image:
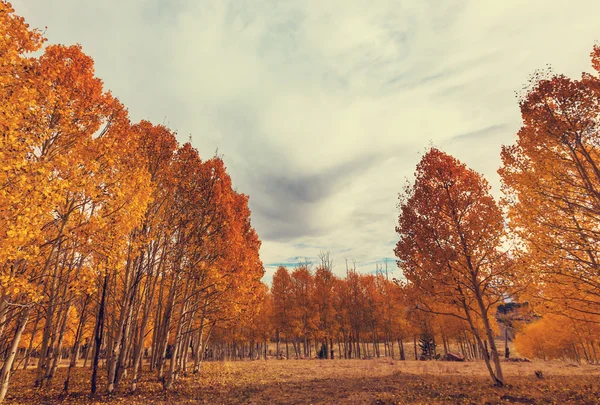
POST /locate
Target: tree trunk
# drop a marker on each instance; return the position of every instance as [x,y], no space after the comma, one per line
[496,379]
[5,373]
[30,346]
[401,348]
[76,344]
[99,334]
[506,350]
[415,346]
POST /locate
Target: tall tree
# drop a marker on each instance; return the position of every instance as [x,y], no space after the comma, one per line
[551,181]
[450,231]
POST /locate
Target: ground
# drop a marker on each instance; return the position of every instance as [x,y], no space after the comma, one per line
[376,381]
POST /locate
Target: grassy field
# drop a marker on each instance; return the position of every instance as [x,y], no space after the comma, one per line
[341,382]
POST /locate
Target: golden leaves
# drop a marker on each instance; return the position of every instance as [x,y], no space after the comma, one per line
[551,180]
[83,193]
[448,224]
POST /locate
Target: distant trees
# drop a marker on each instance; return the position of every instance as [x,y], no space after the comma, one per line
[318,314]
[315,313]
[559,337]
[281,298]
[327,325]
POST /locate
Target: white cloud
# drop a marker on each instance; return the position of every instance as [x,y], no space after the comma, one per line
[322,108]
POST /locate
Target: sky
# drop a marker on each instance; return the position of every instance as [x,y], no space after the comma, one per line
[322,108]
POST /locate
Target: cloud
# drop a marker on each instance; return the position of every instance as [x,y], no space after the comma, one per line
[479,134]
[322,109]
[286,202]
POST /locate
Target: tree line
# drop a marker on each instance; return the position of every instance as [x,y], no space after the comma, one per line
[117,244]
[309,312]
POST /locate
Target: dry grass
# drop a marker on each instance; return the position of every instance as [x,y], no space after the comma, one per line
[344,381]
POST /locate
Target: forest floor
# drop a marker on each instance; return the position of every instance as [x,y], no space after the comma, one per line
[377,381]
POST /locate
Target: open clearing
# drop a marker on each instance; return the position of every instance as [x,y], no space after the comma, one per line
[380,381]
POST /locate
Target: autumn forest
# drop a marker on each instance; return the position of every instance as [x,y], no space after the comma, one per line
[130,270]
